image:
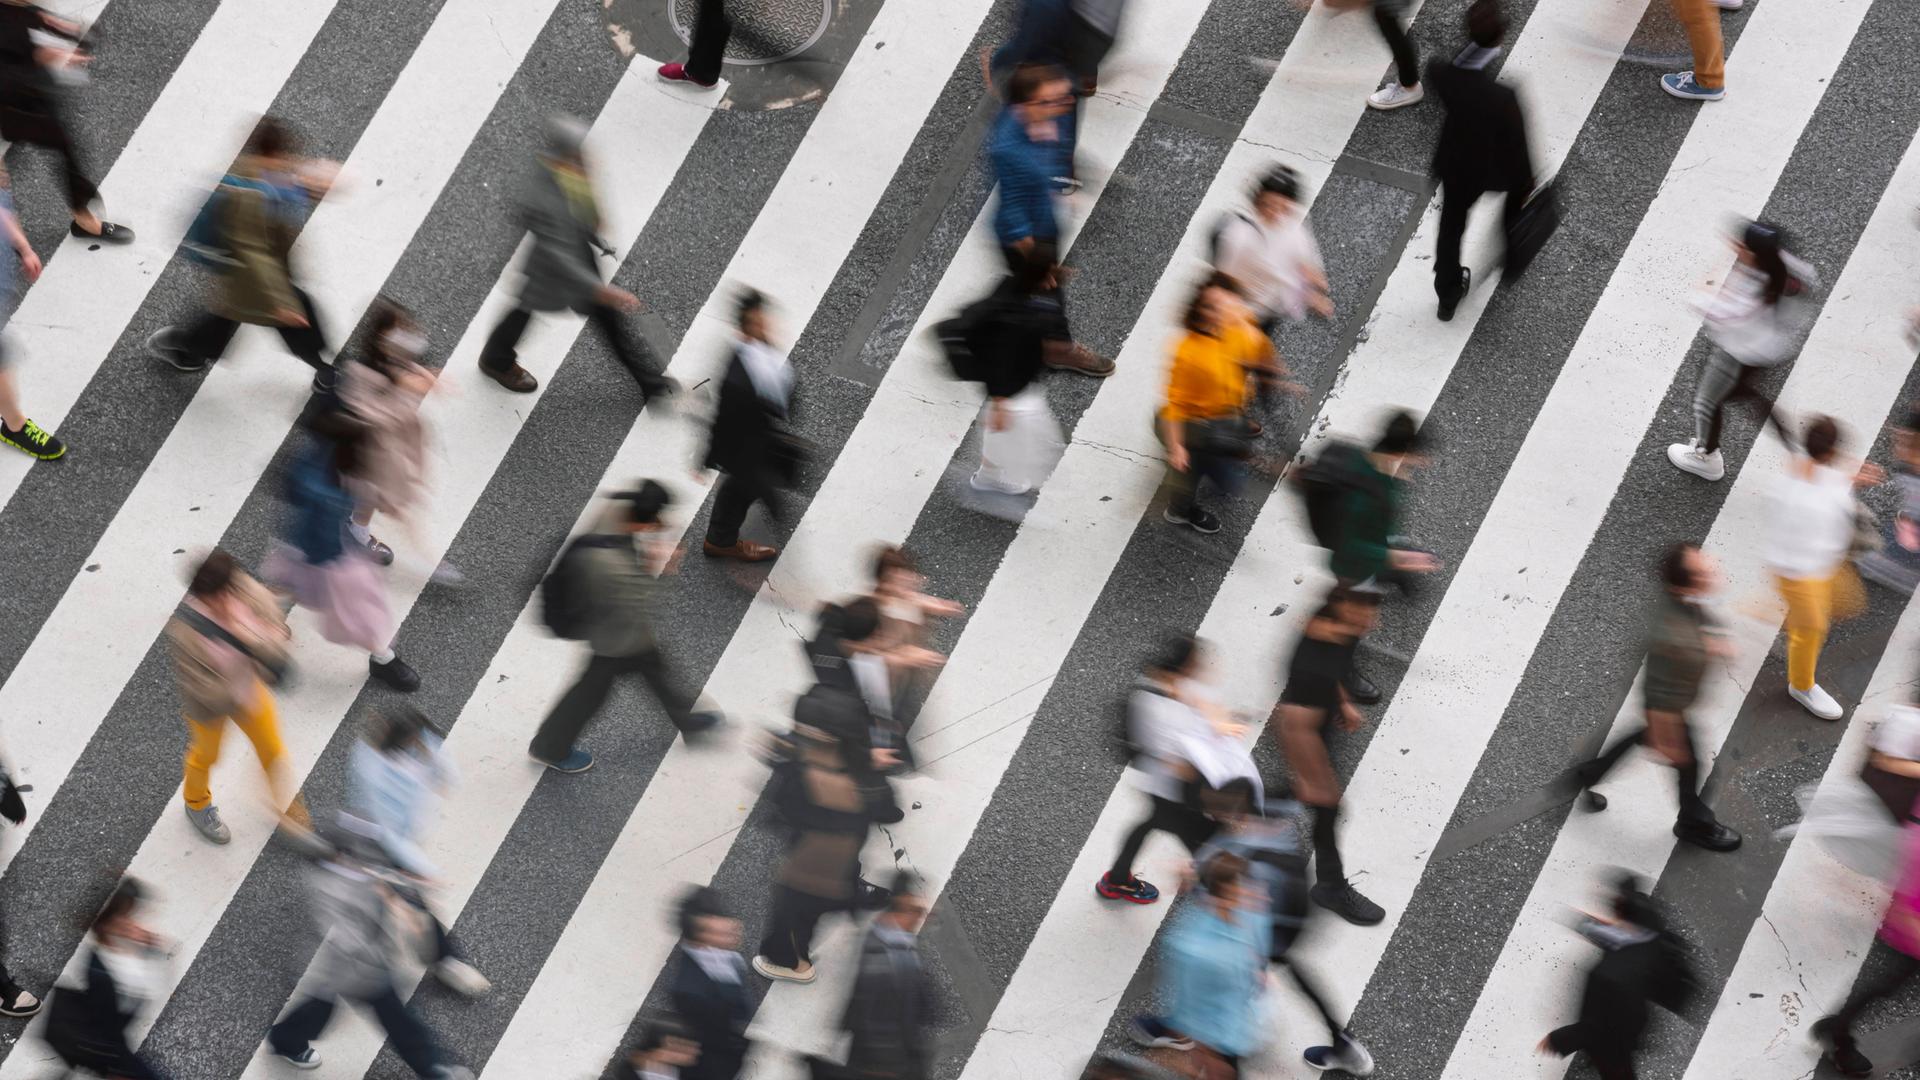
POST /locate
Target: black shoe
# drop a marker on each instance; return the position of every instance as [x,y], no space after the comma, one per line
[325,379]
[109,233]
[19,1003]
[1846,1058]
[1196,519]
[1595,801]
[1361,689]
[1345,901]
[164,344]
[700,725]
[1710,835]
[891,814]
[1450,298]
[395,673]
[870,897]
[33,440]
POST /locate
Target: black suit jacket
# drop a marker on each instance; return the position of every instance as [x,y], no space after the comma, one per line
[717,1015]
[745,426]
[1483,141]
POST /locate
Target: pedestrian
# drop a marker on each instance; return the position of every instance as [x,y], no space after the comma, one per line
[665,1051]
[1031,148]
[1896,565]
[229,639]
[1754,320]
[1020,442]
[1271,255]
[1204,423]
[1404,89]
[1482,147]
[711,29]
[1684,640]
[394,774]
[1895,961]
[829,816]
[888,1014]
[1073,35]
[750,441]
[1641,964]
[15,1000]
[1314,700]
[33,41]
[562,216]
[16,429]
[1213,972]
[87,1026]
[619,568]
[899,591]
[709,987]
[364,925]
[1170,707]
[1707,81]
[323,568]
[260,208]
[1812,519]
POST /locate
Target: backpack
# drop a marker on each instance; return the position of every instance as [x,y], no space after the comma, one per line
[1219,230]
[1290,902]
[962,339]
[567,601]
[1325,483]
[206,239]
[1129,747]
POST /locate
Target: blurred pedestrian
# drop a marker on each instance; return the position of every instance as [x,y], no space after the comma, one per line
[1213,973]
[1684,640]
[1754,321]
[1899,948]
[1707,81]
[711,29]
[87,1026]
[750,441]
[15,1000]
[1271,255]
[615,572]
[229,639]
[1404,88]
[1641,965]
[1482,147]
[888,1015]
[1020,442]
[665,1051]
[899,591]
[829,816]
[1204,423]
[1896,565]
[258,209]
[1073,35]
[1812,518]
[323,567]
[562,216]
[16,429]
[33,43]
[1031,148]
[709,986]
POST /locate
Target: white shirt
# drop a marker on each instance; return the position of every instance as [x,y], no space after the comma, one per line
[1898,734]
[1270,261]
[721,965]
[769,371]
[1756,333]
[1162,728]
[1809,523]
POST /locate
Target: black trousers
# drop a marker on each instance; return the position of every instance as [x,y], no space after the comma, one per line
[405,1033]
[711,29]
[735,497]
[35,118]
[578,706]
[1455,200]
[502,348]
[1328,868]
[1191,826]
[796,915]
[208,336]
[1898,974]
[1406,59]
[1693,809]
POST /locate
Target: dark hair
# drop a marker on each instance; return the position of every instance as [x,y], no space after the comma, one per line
[1766,243]
[1280,180]
[657,1032]
[701,902]
[645,503]
[126,896]
[215,573]
[905,883]
[1027,80]
[856,620]
[1400,436]
[385,316]
[1485,23]
[1221,872]
[1192,318]
[1823,438]
[1676,569]
[749,302]
[889,558]
[1173,655]
[398,726]
[271,138]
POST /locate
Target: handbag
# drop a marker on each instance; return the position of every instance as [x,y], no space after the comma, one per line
[786,455]
[1194,1063]
[1531,230]
[276,670]
[1229,437]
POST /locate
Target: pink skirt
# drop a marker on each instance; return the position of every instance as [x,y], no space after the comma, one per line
[347,594]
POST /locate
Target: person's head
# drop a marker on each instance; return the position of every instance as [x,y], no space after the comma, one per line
[272,142]
[642,508]
[1277,194]
[119,915]
[853,624]
[393,337]
[1686,571]
[1224,877]
[894,571]
[1822,439]
[664,1042]
[1401,439]
[1356,610]
[908,903]
[706,921]
[1632,903]
[398,729]
[1177,657]
[1040,92]
[564,139]
[1212,305]
[750,315]
[1486,24]
[214,577]
[1760,245]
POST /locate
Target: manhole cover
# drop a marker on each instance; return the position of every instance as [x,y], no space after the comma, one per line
[764,31]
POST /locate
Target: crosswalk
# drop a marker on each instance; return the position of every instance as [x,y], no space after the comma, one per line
[1550,396]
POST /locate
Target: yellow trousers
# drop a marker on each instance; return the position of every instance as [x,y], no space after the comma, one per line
[1702,21]
[261,726]
[1809,614]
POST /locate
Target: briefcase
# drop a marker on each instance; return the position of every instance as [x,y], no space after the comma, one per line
[1531,230]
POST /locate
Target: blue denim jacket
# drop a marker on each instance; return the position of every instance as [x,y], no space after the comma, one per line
[1211,977]
[1028,174]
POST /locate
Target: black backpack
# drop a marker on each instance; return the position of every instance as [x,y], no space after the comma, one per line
[1325,483]
[962,338]
[567,602]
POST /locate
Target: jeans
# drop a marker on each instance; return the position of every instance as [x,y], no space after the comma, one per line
[1191,826]
[1224,472]
[583,700]
[500,352]
[1455,200]
[1722,382]
[796,915]
[711,29]
[1406,59]
[208,335]
[409,1037]
[1693,809]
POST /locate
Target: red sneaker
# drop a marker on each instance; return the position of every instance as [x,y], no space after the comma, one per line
[678,73]
[1135,891]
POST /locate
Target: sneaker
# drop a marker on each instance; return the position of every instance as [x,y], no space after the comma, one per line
[325,379]
[1349,1057]
[1360,689]
[461,977]
[678,73]
[870,897]
[1711,835]
[1075,357]
[1133,890]
[209,823]
[1682,86]
[1395,96]
[1196,519]
[1688,457]
[1728,5]
[800,973]
[994,487]
[33,440]
[1450,301]
[1817,701]
[1345,901]
[164,344]
[1149,1032]
[1846,1058]
[381,553]
[578,761]
[701,724]
[306,1060]
[396,673]
[20,1004]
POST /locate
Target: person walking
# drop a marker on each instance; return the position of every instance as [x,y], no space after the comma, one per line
[228,639]
[892,1004]
[665,1051]
[562,216]
[1899,942]
[708,49]
[1213,971]
[1020,442]
[33,42]
[620,567]
[1031,149]
[1707,81]
[749,441]
[1811,522]
[1896,565]
[16,428]
[1203,422]
[1754,321]
[1641,964]
[1482,147]
[1404,88]
[1271,255]
[88,1026]
[15,1000]
[260,208]
[830,817]
[709,987]
[1684,640]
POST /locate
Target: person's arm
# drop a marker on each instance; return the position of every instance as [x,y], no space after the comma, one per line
[1887,763]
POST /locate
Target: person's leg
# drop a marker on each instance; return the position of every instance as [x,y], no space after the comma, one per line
[1592,772]
[408,1036]
[296,1031]
[207,336]
[1718,381]
[1406,59]
[261,726]
[203,749]
[777,946]
[1455,201]
[307,342]
[562,727]
[1869,990]
[677,702]
[1335,1029]
[500,353]
[711,29]
[1702,21]
[730,506]
[1809,602]
[1087,46]
[1328,869]
[1157,819]
[630,349]
[807,913]
[1693,809]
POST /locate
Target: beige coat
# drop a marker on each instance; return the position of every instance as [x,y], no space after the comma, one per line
[216,680]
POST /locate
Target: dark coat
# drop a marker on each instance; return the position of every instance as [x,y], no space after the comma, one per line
[87,1027]
[1615,1003]
[561,271]
[747,430]
[1483,141]
[716,1014]
[888,1012]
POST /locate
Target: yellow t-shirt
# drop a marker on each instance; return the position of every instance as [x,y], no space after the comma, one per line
[1208,378]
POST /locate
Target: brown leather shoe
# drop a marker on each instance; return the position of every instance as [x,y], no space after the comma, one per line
[516,378]
[743,550]
[1075,357]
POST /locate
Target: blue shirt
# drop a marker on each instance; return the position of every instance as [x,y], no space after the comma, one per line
[1028,174]
[1211,976]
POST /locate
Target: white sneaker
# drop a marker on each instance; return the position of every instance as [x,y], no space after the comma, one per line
[1688,457]
[994,487]
[1818,702]
[802,974]
[461,977]
[1728,5]
[1395,96]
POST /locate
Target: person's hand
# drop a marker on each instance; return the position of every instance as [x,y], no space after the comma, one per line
[287,316]
[1229,726]
[997,415]
[29,263]
[1869,474]
[616,297]
[1177,458]
[1351,718]
[1417,562]
[1906,533]
[918,656]
[1321,305]
[885,759]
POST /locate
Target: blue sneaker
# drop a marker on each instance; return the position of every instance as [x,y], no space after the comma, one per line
[578,761]
[1682,86]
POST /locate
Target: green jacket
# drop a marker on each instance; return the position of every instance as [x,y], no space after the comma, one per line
[1676,655]
[260,240]
[1371,512]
